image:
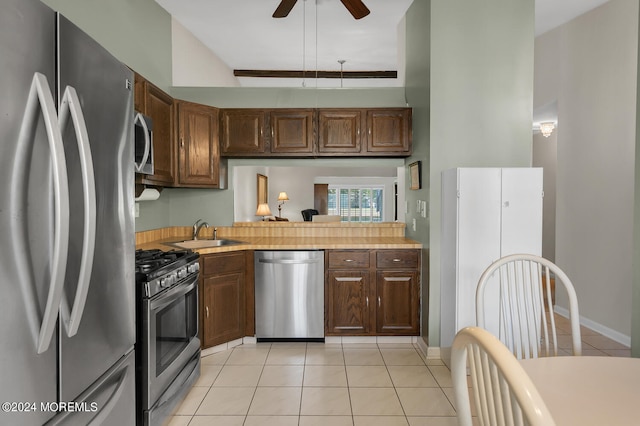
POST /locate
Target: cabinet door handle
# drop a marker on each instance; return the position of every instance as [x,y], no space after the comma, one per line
[397,260]
[181,142]
[367,301]
[378,301]
[349,260]
[206,308]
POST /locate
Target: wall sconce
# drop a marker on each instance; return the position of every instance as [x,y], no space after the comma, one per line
[263,210]
[282,197]
[547,128]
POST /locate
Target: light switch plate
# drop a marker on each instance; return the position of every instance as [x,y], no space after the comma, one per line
[137,210]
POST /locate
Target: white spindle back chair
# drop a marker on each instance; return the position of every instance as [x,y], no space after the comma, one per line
[518,290]
[502,391]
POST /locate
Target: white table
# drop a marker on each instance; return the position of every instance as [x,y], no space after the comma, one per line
[588,390]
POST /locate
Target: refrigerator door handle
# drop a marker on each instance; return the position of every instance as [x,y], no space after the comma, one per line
[70,106]
[40,95]
[147,141]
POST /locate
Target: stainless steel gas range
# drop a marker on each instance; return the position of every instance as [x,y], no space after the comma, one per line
[168,347]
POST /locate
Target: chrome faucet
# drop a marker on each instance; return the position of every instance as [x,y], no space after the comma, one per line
[197,226]
[215,233]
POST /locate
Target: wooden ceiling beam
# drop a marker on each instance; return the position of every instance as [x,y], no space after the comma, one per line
[314,74]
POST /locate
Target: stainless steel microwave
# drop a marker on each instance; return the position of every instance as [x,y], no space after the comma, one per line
[144,144]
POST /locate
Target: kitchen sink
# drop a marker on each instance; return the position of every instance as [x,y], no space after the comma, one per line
[199,244]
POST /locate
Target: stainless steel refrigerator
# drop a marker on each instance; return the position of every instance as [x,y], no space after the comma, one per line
[66,224]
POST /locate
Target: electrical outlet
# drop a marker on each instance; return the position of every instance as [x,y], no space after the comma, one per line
[413,224]
[137,210]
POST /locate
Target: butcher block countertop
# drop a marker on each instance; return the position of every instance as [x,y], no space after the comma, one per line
[286,236]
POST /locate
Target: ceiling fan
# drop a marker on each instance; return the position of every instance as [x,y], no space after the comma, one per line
[355,7]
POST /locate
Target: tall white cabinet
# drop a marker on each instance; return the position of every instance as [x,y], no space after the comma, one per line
[487,213]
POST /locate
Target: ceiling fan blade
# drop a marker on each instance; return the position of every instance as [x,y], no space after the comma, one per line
[284,8]
[357,8]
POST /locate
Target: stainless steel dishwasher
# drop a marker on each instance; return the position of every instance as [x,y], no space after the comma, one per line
[289,295]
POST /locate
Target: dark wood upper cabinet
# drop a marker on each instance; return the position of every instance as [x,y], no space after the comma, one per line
[292,131]
[325,132]
[243,132]
[198,152]
[339,131]
[388,132]
[158,105]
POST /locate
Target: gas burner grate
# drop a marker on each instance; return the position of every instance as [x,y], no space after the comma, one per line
[148,261]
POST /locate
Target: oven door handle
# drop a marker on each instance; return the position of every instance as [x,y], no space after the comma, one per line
[172,294]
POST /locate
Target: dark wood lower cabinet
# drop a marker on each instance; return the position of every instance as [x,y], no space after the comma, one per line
[347,307]
[222,298]
[397,302]
[372,292]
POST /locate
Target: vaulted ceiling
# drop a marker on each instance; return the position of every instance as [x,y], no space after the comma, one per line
[319,35]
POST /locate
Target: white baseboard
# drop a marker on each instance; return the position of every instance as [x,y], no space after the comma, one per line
[597,327]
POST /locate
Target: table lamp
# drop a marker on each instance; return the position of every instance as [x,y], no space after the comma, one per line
[263,210]
[282,197]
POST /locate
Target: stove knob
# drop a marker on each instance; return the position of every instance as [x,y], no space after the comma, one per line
[182,272]
[163,282]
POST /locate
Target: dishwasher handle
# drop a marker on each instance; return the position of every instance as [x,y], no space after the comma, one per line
[289,261]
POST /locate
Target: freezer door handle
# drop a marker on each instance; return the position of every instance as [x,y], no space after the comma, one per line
[40,98]
[102,398]
[70,107]
[147,141]
[108,406]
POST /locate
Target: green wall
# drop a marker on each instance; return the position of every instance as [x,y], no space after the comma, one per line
[635,304]
[267,97]
[418,25]
[137,32]
[480,99]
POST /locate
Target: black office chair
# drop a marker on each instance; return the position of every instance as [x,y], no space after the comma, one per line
[306,214]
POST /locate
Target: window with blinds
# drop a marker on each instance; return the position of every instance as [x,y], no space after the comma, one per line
[356,203]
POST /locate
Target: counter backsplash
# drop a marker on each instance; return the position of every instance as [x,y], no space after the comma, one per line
[279,229]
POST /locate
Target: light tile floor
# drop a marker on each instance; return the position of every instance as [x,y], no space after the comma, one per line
[309,384]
